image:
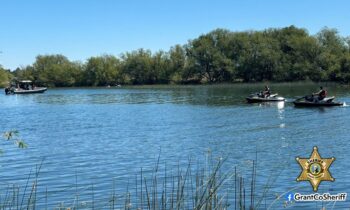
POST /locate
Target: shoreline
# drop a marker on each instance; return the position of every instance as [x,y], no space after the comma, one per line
[271,83]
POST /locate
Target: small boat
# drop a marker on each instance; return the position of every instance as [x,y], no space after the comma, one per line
[35,90]
[258,97]
[24,87]
[310,101]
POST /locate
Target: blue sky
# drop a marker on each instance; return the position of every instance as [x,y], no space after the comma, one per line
[80,29]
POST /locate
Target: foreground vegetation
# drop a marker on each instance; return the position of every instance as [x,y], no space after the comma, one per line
[200,186]
[277,54]
[206,187]
[210,184]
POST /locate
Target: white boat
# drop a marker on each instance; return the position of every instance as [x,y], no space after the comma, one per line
[258,97]
[24,87]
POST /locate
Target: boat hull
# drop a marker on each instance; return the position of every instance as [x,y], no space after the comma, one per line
[36,90]
[259,100]
[312,104]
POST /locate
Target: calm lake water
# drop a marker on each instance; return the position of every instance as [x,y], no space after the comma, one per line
[103,136]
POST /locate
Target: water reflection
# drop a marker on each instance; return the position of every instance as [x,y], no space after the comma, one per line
[280,105]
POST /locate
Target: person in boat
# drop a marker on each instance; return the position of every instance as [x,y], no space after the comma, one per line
[267,92]
[321,94]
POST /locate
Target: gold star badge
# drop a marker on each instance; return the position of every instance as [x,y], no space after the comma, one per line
[315,169]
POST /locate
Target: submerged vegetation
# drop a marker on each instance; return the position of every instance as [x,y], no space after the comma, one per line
[276,54]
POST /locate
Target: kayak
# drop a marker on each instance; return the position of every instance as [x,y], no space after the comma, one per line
[256,98]
[306,102]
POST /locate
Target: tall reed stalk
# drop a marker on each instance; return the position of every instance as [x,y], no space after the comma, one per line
[198,187]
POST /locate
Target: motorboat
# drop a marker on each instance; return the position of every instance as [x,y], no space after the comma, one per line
[24,87]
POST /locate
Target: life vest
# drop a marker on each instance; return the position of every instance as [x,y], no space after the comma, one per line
[323,93]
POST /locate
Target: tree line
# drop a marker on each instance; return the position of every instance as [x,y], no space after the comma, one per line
[276,54]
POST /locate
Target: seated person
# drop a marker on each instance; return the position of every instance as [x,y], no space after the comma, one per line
[321,94]
[266,92]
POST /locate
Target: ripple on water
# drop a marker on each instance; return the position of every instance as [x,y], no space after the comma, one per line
[97,137]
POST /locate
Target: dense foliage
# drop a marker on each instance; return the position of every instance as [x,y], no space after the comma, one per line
[285,54]
[5,77]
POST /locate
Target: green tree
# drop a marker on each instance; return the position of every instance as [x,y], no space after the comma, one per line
[276,54]
[55,70]
[24,73]
[137,67]
[103,70]
[5,77]
[344,75]
[177,63]
[208,57]
[333,47]
[298,51]
[259,58]
[161,67]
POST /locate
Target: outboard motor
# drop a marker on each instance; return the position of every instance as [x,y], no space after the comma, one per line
[8,90]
